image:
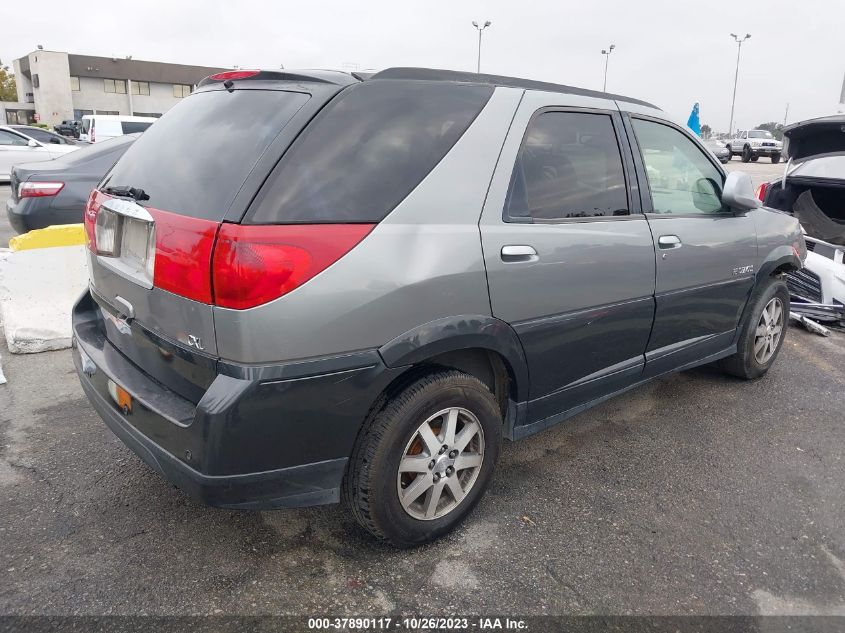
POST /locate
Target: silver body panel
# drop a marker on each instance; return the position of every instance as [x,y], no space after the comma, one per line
[423,262]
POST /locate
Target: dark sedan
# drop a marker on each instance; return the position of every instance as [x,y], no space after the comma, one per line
[55,192]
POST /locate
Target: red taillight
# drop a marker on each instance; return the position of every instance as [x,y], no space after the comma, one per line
[39,189]
[234,74]
[254,264]
[183,254]
[762,188]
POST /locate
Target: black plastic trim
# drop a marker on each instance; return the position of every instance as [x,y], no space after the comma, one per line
[460,332]
[433,74]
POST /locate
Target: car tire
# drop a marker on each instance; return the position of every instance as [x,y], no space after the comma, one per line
[752,361]
[394,435]
[730,153]
[746,154]
[754,158]
[775,158]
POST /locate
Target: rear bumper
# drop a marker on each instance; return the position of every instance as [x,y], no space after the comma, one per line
[249,442]
[29,214]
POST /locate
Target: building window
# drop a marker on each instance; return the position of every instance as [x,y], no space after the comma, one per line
[74,84]
[140,88]
[180,90]
[114,85]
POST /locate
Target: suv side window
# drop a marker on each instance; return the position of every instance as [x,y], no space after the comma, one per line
[681,178]
[569,166]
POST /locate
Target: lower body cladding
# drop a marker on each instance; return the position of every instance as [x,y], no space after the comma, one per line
[259,437]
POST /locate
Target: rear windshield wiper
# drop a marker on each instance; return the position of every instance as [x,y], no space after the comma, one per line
[126,191]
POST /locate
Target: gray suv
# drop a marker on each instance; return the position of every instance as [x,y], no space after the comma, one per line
[316,287]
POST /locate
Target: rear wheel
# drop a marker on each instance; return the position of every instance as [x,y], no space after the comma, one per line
[775,158]
[761,334]
[730,154]
[423,461]
[746,154]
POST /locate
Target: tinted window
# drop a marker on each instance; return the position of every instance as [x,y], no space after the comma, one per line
[103,154]
[43,135]
[569,166]
[367,150]
[196,157]
[681,178]
[86,125]
[130,127]
[760,134]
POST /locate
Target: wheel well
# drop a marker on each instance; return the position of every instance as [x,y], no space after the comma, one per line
[783,269]
[486,365]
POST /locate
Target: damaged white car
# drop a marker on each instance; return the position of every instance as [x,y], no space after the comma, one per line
[813,190]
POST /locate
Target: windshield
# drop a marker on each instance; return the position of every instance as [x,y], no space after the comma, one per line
[760,134]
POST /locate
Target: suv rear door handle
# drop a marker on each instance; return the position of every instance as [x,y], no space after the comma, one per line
[669,241]
[515,253]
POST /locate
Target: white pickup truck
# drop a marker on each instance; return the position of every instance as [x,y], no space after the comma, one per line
[751,144]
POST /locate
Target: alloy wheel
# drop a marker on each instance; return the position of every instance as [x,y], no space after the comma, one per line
[769,330]
[440,463]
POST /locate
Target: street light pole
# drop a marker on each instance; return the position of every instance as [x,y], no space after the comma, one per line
[480,29]
[739,42]
[606,53]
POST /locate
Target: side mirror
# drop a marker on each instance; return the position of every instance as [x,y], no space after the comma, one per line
[32,143]
[738,193]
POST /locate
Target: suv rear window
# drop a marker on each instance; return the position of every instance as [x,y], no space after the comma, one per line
[195,158]
[365,152]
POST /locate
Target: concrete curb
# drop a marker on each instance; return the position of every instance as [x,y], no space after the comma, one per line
[52,236]
[38,287]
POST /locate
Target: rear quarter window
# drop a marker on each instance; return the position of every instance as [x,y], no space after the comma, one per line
[366,151]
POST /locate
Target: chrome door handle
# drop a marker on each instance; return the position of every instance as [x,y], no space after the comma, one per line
[669,241]
[519,253]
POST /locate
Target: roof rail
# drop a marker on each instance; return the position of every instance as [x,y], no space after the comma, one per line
[431,74]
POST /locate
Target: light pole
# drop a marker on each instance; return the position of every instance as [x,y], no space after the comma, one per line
[480,29]
[739,41]
[606,53]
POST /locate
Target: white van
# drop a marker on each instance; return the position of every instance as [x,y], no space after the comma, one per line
[101,127]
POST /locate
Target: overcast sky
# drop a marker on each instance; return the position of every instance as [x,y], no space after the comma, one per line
[669,52]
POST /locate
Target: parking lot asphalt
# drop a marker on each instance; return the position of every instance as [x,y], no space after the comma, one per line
[695,494]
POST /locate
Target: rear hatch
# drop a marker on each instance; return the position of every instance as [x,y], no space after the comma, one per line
[153,221]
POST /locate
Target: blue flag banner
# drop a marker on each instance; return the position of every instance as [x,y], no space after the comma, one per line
[693,123]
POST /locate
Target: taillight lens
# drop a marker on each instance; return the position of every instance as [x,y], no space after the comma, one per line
[89,218]
[762,188]
[183,248]
[39,189]
[254,264]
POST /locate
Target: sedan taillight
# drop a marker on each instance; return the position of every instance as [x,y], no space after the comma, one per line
[39,189]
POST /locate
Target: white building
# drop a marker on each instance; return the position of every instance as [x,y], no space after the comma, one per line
[62,86]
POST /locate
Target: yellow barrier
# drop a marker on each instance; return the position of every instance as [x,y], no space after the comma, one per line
[59,235]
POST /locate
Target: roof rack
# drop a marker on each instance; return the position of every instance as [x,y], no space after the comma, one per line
[431,74]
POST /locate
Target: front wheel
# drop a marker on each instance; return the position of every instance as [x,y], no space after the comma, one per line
[746,154]
[775,158]
[761,333]
[423,461]
[754,159]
